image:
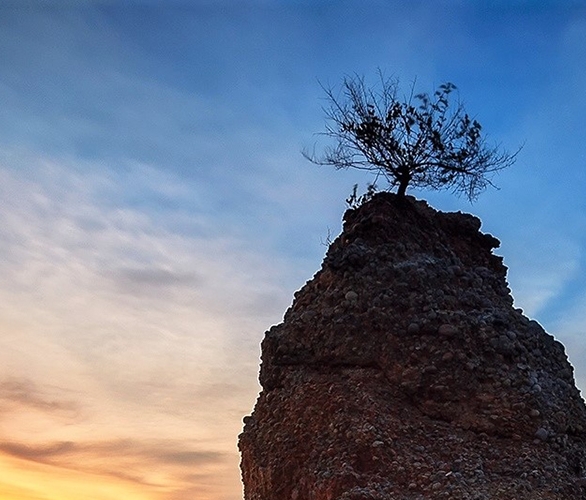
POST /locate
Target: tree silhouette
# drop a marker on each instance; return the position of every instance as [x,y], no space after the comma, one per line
[423,141]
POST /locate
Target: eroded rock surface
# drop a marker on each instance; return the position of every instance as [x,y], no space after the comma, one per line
[402,371]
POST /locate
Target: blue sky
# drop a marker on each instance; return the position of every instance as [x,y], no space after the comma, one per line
[157,214]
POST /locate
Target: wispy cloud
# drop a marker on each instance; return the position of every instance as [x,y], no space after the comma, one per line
[124,454]
[170,469]
[141,323]
[540,268]
[24,393]
[38,454]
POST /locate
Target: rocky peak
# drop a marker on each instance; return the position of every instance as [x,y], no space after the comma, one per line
[402,371]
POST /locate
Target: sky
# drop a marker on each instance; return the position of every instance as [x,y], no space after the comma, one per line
[157,215]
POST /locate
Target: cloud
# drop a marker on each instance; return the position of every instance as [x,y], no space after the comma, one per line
[37,454]
[144,281]
[566,320]
[539,270]
[130,460]
[146,323]
[115,105]
[147,452]
[24,393]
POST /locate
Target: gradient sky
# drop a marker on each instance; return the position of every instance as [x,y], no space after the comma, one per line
[157,215]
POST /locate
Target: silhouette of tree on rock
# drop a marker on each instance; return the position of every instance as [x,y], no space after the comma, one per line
[424,141]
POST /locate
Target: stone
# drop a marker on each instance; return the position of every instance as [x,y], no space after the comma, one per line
[413,328]
[447,330]
[541,434]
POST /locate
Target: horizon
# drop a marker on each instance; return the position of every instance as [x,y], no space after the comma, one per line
[158,215]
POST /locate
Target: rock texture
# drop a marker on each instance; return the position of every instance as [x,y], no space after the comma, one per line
[403,372]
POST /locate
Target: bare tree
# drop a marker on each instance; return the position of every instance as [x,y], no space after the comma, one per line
[423,141]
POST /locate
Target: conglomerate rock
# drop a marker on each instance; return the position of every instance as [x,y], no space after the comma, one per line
[403,372]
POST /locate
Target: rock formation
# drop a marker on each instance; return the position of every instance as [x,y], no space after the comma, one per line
[402,371]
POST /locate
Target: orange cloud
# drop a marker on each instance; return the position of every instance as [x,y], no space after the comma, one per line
[133,470]
[25,480]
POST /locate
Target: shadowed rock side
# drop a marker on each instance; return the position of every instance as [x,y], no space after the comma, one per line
[403,372]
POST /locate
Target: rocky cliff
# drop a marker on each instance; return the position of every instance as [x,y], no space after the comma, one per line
[402,371]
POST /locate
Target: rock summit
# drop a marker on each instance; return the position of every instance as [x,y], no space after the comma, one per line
[402,371]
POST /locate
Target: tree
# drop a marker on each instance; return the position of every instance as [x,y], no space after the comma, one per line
[423,141]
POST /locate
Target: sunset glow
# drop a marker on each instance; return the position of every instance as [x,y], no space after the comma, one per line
[157,215]
[27,480]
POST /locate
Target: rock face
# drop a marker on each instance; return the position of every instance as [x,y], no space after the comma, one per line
[403,372]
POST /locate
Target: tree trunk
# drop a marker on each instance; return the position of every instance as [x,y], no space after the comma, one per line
[403,183]
[404,178]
